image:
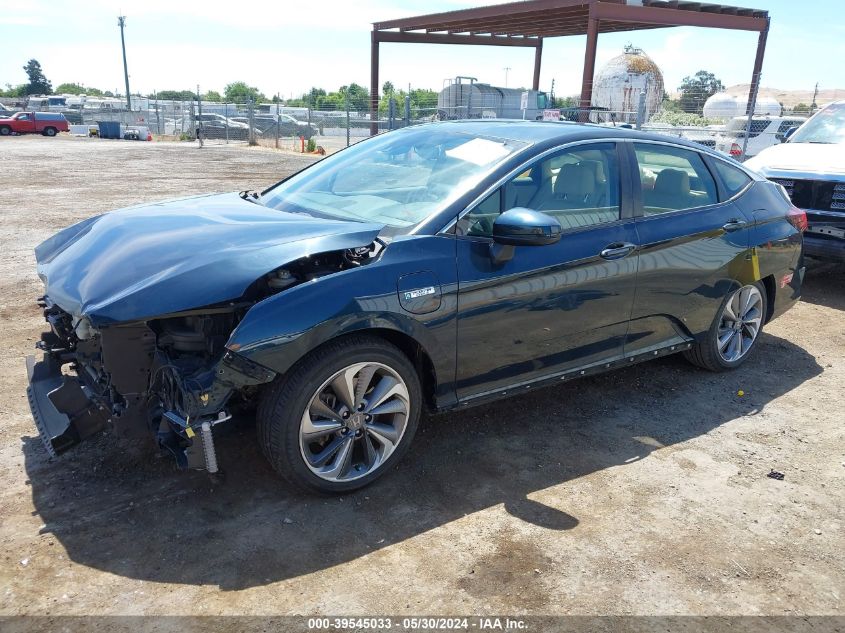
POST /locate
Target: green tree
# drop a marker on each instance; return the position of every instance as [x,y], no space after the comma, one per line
[38,83]
[240,92]
[176,95]
[801,107]
[212,95]
[14,91]
[697,89]
[77,89]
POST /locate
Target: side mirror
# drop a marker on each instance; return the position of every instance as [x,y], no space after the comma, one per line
[525,227]
[789,133]
[522,227]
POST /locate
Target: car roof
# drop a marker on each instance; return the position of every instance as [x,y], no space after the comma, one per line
[555,132]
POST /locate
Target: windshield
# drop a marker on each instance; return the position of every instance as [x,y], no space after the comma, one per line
[826,126]
[398,179]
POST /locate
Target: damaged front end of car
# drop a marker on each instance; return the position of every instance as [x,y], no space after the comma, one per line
[168,379]
[165,380]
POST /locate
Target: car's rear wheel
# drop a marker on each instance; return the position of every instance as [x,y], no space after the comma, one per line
[734,331]
[342,416]
[50,131]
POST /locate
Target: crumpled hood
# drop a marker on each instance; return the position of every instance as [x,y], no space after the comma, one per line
[814,158]
[156,259]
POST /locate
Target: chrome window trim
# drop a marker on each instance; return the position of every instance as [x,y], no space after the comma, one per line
[521,168]
[704,150]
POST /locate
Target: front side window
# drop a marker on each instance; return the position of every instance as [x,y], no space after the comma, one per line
[673,179]
[578,186]
[398,179]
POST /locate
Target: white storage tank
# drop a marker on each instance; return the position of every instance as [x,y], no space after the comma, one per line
[618,84]
[722,106]
[725,106]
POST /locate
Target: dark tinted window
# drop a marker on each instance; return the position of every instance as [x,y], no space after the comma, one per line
[578,186]
[734,179]
[673,179]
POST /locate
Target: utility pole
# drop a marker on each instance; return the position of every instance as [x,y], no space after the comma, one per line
[121,22]
[815,94]
[507,68]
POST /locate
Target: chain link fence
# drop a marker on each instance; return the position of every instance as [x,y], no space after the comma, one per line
[323,123]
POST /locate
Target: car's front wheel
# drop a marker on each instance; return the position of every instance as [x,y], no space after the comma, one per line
[342,416]
[5,130]
[734,331]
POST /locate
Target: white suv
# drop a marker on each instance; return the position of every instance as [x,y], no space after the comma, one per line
[811,167]
[765,132]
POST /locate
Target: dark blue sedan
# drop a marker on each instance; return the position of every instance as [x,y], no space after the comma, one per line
[435,267]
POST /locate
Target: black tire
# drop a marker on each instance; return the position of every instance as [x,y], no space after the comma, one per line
[283,403]
[49,131]
[5,130]
[705,353]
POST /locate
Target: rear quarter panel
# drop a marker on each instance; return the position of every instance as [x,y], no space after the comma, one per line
[777,244]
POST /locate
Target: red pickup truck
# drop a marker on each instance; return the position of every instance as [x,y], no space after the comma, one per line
[46,123]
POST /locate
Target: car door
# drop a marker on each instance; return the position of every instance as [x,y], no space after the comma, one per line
[693,246]
[555,307]
[26,123]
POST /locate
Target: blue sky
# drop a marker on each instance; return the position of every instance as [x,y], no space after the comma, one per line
[286,47]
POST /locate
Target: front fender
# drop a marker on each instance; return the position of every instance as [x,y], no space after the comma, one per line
[280,330]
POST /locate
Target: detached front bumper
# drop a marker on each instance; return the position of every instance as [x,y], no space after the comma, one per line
[64,413]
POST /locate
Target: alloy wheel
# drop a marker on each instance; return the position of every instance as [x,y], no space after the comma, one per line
[740,323]
[354,422]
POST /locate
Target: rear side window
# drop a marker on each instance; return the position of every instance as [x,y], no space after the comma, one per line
[734,179]
[673,179]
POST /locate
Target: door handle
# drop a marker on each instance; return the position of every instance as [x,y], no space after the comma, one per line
[617,250]
[734,225]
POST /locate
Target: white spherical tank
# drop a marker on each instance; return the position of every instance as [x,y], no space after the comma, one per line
[618,84]
[722,106]
[725,106]
[766,105]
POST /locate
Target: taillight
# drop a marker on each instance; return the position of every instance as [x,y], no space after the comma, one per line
[797,218]
[736,150]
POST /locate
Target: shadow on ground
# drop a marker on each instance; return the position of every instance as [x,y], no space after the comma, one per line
[142,520]
[824,284]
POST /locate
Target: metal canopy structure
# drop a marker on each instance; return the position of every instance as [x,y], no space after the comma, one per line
[528,23]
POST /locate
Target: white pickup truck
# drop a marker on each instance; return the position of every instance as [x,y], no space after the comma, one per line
[811,167]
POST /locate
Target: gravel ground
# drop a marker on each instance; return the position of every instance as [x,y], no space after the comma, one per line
[643,491]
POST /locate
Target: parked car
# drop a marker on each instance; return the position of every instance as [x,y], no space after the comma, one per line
[811,167]
[438,266]
[765,132]
[46,123]
[288,126]
[220,127]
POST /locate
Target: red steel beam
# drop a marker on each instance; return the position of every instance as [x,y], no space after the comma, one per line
[538,58]
[758,69]
[517,21]
[676,17]
[441,38]
[509,9]
[589,62]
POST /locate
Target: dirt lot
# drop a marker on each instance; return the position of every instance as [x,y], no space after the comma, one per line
[640,492]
